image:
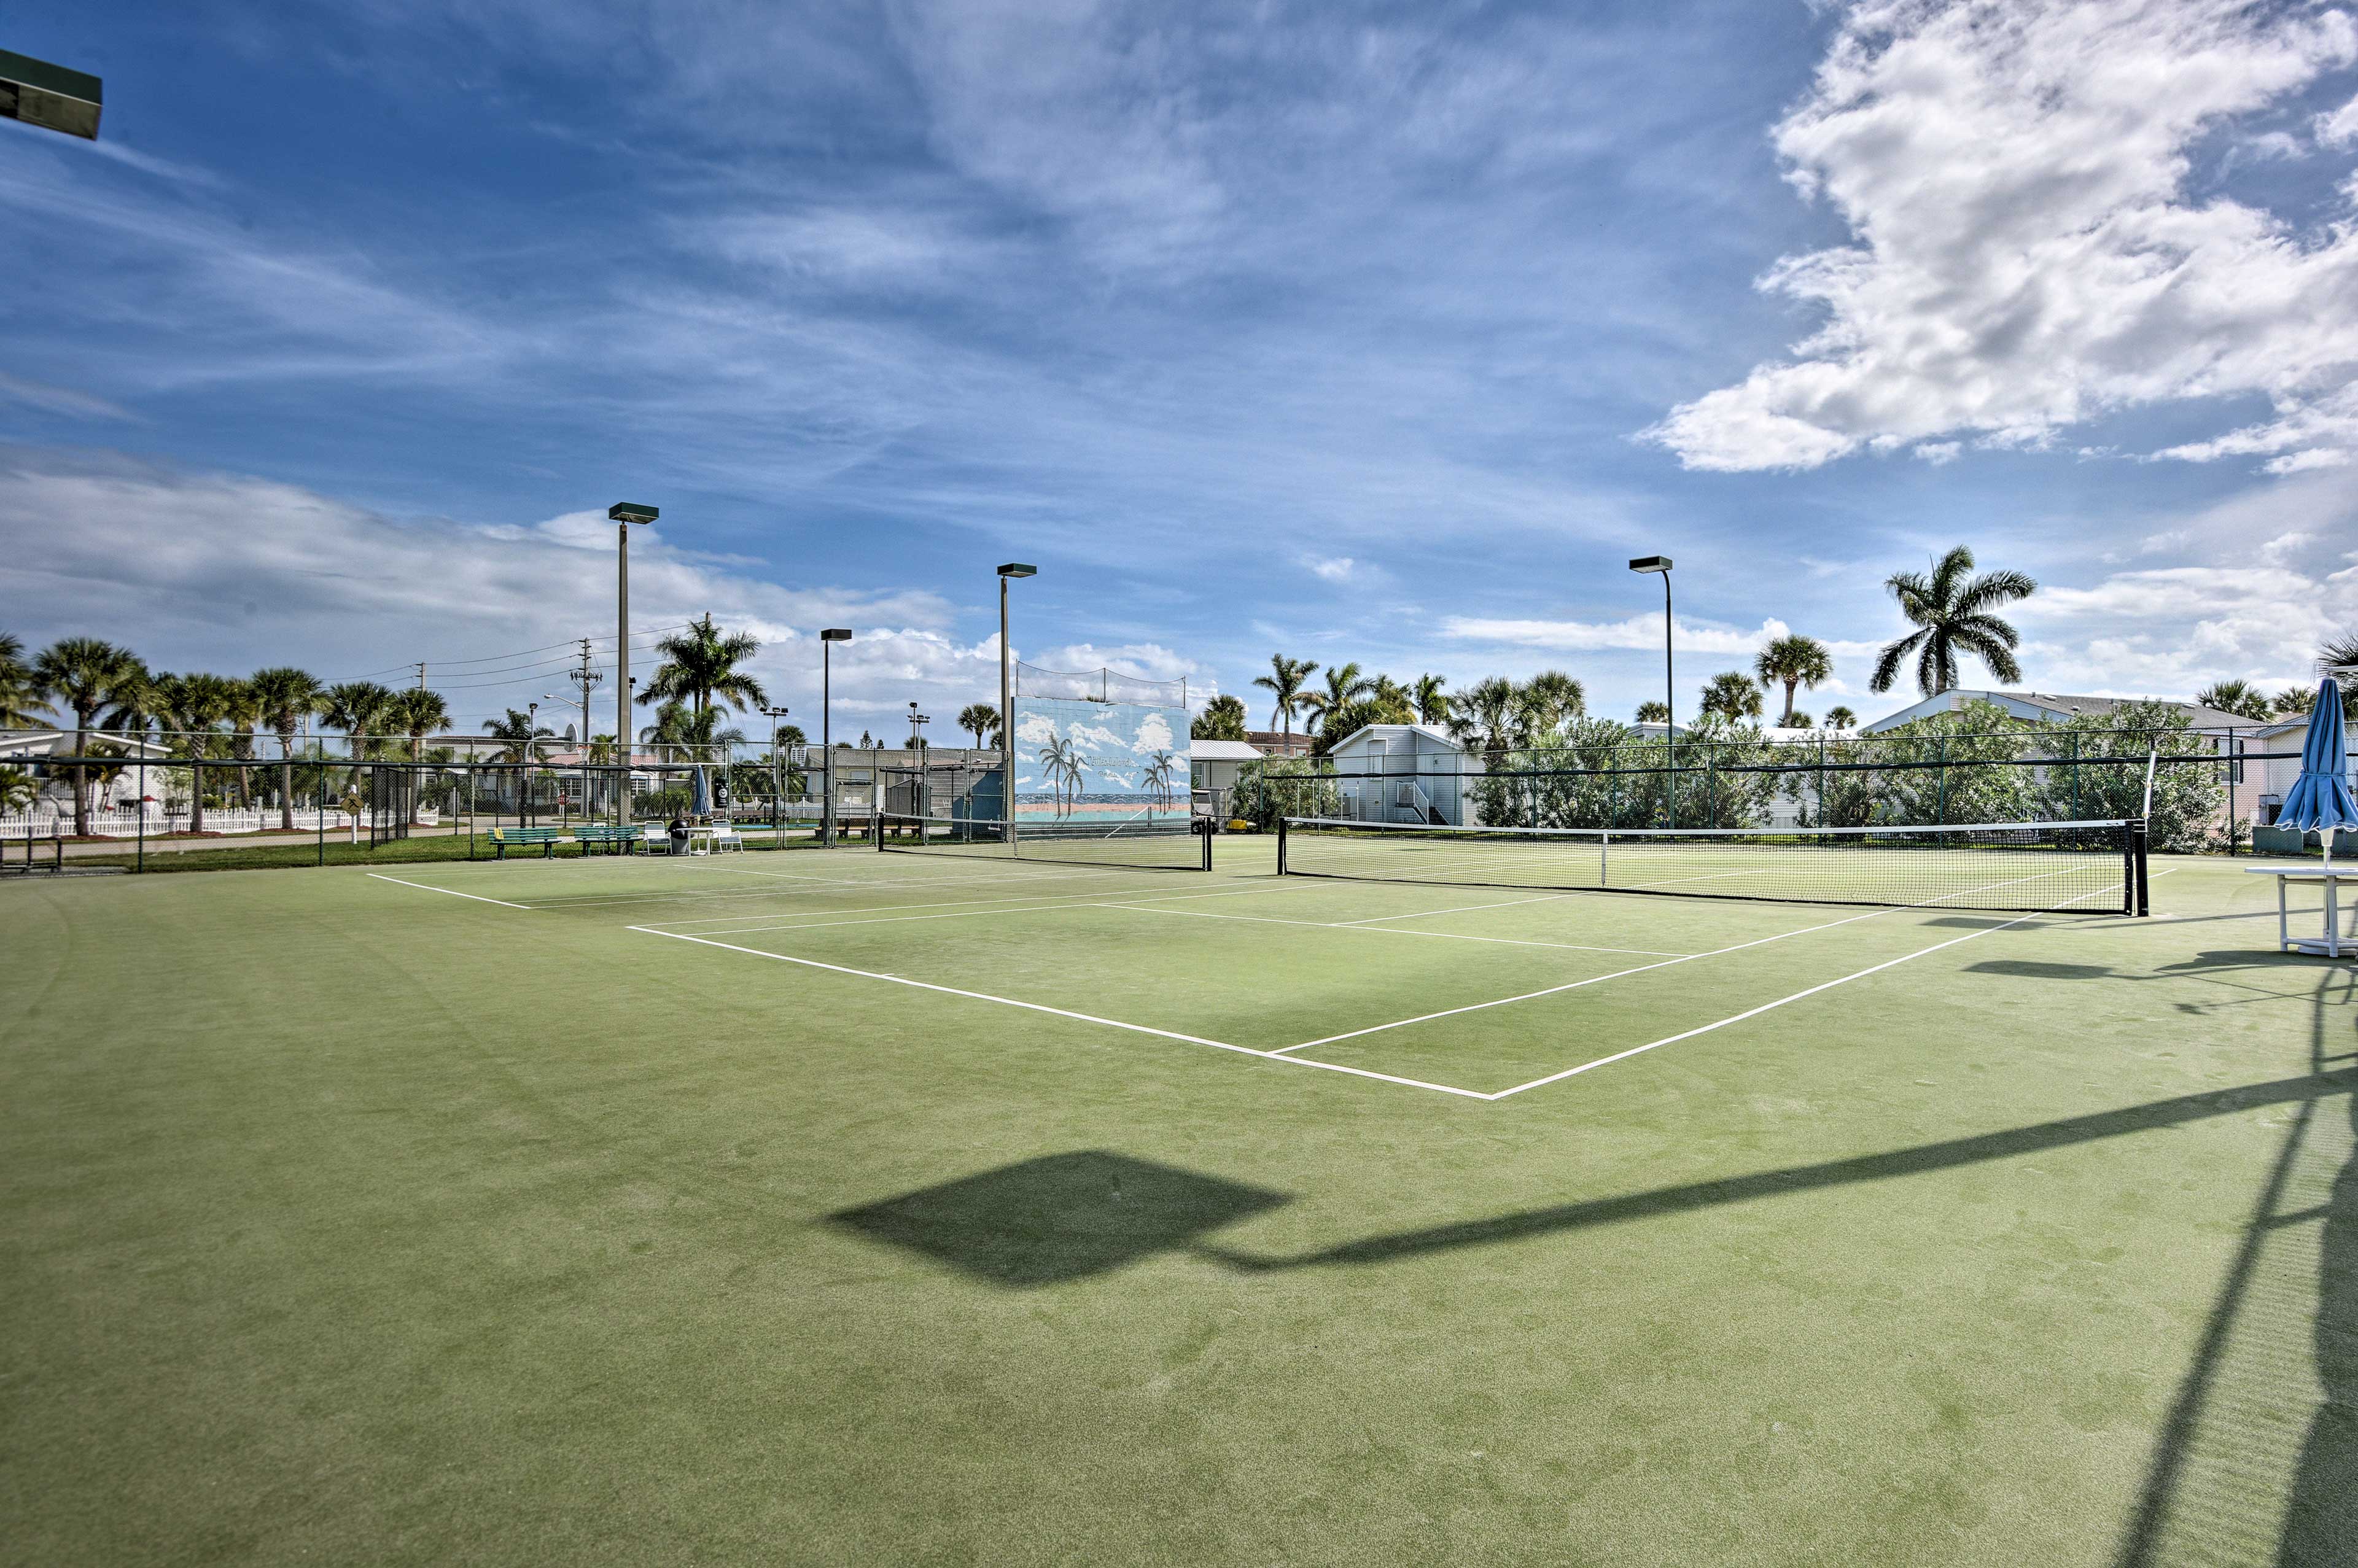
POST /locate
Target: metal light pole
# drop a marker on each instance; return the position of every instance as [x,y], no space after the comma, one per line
[1007,699]
[623,513]
[828,639]
[1670,685]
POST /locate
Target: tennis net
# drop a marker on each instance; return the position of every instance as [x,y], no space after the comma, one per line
[2093,867]
[1168,843]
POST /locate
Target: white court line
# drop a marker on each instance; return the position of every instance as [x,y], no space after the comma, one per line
[1575,985]
[1770,1007]
[1061,1013]
[1461,909]
[1688,958]
[423,887]
[881,918]
[715,895]
[1388,930]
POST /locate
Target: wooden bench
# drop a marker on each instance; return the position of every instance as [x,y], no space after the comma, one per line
[617,838]
[548,838]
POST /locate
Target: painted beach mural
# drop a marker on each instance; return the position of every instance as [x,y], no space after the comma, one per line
[1077,761]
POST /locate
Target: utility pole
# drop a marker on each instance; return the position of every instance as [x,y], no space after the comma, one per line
[421,675]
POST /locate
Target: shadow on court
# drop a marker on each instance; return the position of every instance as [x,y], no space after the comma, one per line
[1058,1217]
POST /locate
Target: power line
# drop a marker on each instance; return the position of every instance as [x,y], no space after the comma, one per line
[637,633]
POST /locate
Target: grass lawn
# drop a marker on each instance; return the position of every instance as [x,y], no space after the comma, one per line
[848,1207]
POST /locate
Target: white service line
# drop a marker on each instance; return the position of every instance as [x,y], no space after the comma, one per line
[712,895]
[1767,1006]
[799,922]
[423,887]
[1061,1013]
[1462,908]
[1388,930]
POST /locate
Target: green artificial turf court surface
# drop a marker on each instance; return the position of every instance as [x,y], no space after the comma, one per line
[846,1208]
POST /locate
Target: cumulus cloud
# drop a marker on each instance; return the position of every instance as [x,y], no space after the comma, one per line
[2028,249]
[1640,631]
[227,572]
[1333,568]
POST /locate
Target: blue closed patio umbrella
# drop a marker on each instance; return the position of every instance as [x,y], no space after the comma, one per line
[699,792]
[2319,800]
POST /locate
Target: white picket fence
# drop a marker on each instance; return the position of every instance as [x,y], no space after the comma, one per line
[44,819]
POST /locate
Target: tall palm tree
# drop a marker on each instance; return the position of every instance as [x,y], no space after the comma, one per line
[359,708]
[1485,716]
[243,713]
[87,675]
[1951,611]
[699,668]
[417,713]
[1286,677]
[1546,700]
[517,735]
[190,706]
[20,696]
[1345,684]
[285,697]
[1653,713]
[1841,717]
[1794,661]
[1732,694]
[1430,700]
[982,718]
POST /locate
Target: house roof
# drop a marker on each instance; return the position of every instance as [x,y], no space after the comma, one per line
[2063,705]
[1201,750]
[1386,730]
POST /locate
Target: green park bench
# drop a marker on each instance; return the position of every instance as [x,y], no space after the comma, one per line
[506,839]
[618,838]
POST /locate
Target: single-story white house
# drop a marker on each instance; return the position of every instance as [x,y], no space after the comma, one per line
[27,748]
[2047,707]
[1403,772]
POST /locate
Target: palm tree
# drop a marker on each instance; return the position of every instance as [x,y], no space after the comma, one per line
[1547,699]
[1054,754]
[1733,696]
[1653,713]
[982,718]
[417,713]
[699,668]
[518,737]
[20,696]
[1794,661]
[1344,685]
[1158,774]
[2239,697]
[358,709]
[192,704]
[243,713]
[1951,611]
[1285,678]
[87,675]
[1431,703]
[1841,717]
[1485,716]
[285,696]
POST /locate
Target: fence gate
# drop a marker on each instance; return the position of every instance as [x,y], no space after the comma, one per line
[393,801]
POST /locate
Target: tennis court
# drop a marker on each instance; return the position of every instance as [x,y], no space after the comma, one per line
[957,1206]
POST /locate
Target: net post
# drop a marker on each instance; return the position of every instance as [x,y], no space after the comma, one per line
[2139,847]
[1280,843]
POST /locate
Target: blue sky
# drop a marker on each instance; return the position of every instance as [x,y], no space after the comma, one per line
[1353,332]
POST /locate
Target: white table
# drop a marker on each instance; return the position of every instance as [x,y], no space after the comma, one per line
[2333,942]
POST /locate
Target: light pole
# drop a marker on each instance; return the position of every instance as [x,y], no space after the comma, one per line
[828,639]
[777,788]
[1006,698]
[623,513]
[1670,683]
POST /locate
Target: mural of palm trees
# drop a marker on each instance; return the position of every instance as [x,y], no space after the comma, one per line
[1052,753]
[1076,767]
[1952,613]
[1285,678]
[1794,661]
[1158,774]
[285,697]
[699,668]
[86,675]
[1344,685]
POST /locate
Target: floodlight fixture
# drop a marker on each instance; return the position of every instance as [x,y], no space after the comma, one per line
[1017,569]
[632,512]
[1650,564]
[51,96]
[836,635]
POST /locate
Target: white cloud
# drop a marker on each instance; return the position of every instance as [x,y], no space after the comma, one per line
[59,399]
[1153,735]
[2339,129]
[1642,631]
[1333,568]
[2027,252]
[229,573]
[1938,453]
